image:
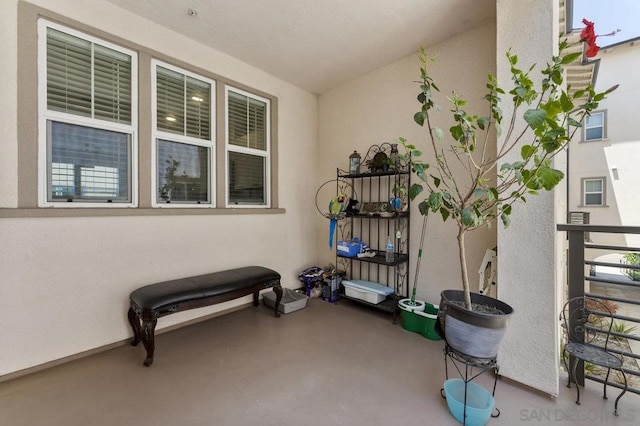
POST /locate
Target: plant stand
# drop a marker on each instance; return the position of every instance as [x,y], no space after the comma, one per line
[481,365]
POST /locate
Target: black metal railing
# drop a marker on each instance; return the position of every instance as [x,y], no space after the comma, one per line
[611,281]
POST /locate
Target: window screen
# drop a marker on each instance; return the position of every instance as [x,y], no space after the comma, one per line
[88,164]
[183,172]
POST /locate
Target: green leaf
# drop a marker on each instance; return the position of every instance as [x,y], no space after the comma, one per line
[527,151]
[436,181]
[535,117]
[457,133]
[445,214]
[415,190]
[549,177]
[570,57]
[483,122]
[420,117]
[423,207]
[506,221]
[479,192]
[468,217]
[435,201]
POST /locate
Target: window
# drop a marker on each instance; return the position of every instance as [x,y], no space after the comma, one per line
[593,190]
[87,120]
[247,149]
[183,138]
[594,128]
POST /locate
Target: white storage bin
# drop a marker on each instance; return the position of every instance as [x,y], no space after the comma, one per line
[357,290]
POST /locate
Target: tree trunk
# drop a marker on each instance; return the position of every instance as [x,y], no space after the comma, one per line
[463,269]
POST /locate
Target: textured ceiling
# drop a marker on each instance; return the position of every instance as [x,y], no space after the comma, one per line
[316,44]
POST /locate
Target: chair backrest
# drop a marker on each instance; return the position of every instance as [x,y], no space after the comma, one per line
[588,320]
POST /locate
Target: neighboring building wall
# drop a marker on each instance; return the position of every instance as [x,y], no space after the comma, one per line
[615,158]
[65,281]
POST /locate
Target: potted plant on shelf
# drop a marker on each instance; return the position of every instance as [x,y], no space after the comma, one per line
[472,323]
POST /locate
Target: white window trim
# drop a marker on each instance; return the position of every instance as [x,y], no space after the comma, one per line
[603,126]
[173,137]
[44,115]
[266,154]
[604,192]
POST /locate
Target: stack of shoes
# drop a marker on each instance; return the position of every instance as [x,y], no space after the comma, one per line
[366,251]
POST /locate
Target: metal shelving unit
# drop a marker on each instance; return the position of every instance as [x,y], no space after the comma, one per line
[373,190]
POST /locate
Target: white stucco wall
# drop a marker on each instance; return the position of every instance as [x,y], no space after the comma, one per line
[614,157]
[64,282]
[527,250]
[379,107]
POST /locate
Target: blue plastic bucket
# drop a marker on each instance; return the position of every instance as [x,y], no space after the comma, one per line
[480,402]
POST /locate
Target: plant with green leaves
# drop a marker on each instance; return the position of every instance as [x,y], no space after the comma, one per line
[475,197]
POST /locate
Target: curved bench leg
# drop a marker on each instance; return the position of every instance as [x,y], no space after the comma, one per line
[135,325]
[148,339]
[278,290]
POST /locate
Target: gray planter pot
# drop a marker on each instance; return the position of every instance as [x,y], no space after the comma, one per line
[475,334]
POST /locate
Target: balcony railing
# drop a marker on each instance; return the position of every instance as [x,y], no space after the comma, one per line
[594,268]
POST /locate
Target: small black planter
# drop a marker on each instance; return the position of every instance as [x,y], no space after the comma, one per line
[475,334]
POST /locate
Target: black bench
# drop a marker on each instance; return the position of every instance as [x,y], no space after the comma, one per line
[153,301]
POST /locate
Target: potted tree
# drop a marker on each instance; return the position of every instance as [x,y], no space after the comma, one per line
[488,187]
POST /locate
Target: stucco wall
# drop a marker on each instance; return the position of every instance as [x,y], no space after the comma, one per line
[527,251]
[379,107]
[65,282]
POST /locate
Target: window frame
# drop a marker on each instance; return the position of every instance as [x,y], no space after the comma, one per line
[266,154]
[603,192]
[603,126]
[157,134]
[45,115]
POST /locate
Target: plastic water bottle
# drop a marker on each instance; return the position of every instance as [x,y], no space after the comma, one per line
[388,248]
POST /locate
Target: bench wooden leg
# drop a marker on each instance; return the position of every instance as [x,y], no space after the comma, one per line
[148,339]
[278,290]
[135,325]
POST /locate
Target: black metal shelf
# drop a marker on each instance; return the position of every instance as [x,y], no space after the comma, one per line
[390,172]
[387,305]
[396,215]
[380,258]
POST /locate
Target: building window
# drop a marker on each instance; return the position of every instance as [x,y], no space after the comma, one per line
[183,138]
[594,128]
[87,120]
[247,149]
[593,190]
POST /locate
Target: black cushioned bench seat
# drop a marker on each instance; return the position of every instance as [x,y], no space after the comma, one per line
[153,301]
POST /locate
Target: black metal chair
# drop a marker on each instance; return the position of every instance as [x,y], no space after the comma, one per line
[587,323]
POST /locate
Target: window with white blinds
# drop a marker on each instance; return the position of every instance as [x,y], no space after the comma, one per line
[183,138]
[248,150]
[88,120]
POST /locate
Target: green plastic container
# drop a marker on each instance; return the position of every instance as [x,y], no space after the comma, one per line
[419,319]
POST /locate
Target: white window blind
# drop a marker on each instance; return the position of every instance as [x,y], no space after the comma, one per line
[247,121]
[84,78]
[183,104]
